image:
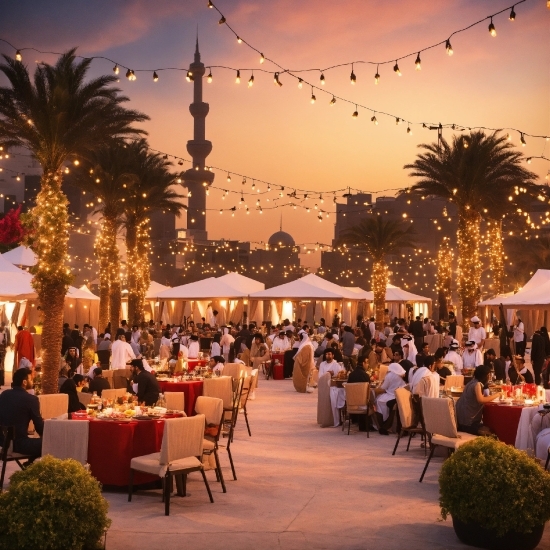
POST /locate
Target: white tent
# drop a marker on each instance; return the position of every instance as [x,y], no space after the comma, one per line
[151,305]
[242,283]
[21,255]
[397,300]
[531,303]
[309,298]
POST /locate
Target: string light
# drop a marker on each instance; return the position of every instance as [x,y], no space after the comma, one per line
[418,63]
[116,70]
[209,77]
[322,79]
[313,98]
[239,40]
[251,81]
[221,21]
[262,58]
[238,78]
[189,76]
[300,83]
[18,56]
[377,76]
[409,131]
[522,140]
[352,76]
[448,47]
[276,80]
[492,30]
[332,101]
[396,69]
[155,77]
[373,119]
[512,16]
[355,113]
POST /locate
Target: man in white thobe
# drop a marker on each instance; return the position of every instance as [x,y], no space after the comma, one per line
[337,395]
[121,353]
[471,358]
[477,332]
[454,357]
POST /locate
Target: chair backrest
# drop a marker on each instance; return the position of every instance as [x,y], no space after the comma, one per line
[7,438]
[382,373]
[324,409]
[403,398]
[175,400]
[182,438]
[454,381]
[233,369]
[253,380]
[53,405]
[108,375]
[357,394]
[439,416]
[104,356]
[222,388]
[66,439]
[211,407]
[112,394]
[84,397]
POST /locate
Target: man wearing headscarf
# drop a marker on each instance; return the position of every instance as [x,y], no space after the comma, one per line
[194,347]
[471,358]
[477,332]
[409,349]
[425,382]
[454,357]
[385,396]
[303,363]
[72,360]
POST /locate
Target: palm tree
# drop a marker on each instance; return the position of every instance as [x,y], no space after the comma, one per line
[473,171]
[379,237]
[444,277]
[152,190]
[59,117]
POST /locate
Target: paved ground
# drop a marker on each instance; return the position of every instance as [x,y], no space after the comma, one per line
[299,487]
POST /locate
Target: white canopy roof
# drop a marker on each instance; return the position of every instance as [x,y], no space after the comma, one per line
[535,294]
[15,284]
[302,289]
[207,289]
[154,289]
[242,283]
[344,292]
[79,293]
[21,256]
[8,267]
[396,294]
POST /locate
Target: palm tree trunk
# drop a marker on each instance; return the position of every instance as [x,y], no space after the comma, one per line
[469,263]
[444,278]
[103,261]
[49,241]
[144,247]
[496,257]
[138,245]
[110,228]
[133,270]
[379,285]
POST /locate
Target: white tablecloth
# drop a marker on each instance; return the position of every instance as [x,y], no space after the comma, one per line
[524,435]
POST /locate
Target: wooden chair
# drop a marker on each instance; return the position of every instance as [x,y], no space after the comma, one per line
[180,454]
[8,455]
[409,421]
[175,400]
[212,409]
[248,387]
[231,420]
[439,418]
[454,381]
[357,402]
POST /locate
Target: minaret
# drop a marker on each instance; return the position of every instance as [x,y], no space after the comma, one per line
[198,179]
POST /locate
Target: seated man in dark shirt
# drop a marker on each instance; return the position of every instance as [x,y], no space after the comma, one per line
[98,383]
[424,352]
[148,388]
[405,363]
[17,409]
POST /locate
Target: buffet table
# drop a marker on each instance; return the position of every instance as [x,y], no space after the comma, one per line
[191,388]
[112,445]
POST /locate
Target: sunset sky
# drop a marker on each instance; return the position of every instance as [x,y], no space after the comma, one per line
[276,134]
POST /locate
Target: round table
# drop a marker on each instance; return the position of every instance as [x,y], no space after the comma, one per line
[503,420]
[191,388]
[112,445]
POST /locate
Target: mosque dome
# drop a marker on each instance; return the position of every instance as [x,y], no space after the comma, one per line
[281,238]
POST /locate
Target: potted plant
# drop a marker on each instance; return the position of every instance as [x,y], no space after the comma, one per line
[53,505]
[497,496]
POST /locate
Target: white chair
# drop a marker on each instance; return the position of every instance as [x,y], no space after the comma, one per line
[440,422]
[212,409]
[180,454]
[66,439]
[175,400]
[53,405]
[222,388]
[233,369]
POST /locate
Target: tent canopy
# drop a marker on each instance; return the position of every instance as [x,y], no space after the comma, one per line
[240,282]
[396,294]
[154,289]
[8,267]
[81,294]
[344,292]
[534,295]
[207,289]
[21,256]
[297,290]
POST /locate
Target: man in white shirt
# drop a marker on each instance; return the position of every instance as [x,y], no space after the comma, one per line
[193,347]
[471,358]
[136,334]
[337,395]
[329,364]
[477,333]
[372,328]
[121,353]
[519,333]
[454,357]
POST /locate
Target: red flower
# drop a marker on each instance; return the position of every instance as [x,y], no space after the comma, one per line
[11,228]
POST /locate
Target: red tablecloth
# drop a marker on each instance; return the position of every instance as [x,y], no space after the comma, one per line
[192,389]
[503,420]
[112,445]
[278,356]
[192,363]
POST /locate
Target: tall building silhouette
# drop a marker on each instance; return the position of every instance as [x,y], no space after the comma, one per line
[198,178]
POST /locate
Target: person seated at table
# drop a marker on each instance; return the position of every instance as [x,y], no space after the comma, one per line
[81,383]
[63,375]
[215,348]
[193,347]
[259,352]
[405,363]
[425,381]
[329,364]
[147,386]
[360,374]
[454,357]
[216,364]
[281,343]
[72,360]
[469,407]
[378,355]
[424,352]
[471,358]
[439,367]
[385,397]
[99,383]
[69,388]
[518,372]
[17,409]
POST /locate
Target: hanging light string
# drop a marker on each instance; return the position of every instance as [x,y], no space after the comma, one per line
[392,60]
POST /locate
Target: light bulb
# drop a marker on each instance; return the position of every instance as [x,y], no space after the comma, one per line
[116,70]
[251,81]
[262,58]
[397,121]
[492,30]
[76,162]
[221,21]
[238,79]
[128,74]
[210,5]
[189,76]
[209,77]
[332,101]
[373,119]
[396,69]
[352,76]
[155,77]
[448,47]
[322,79]
[417,63]
[529,160]
[512,15]
[18,56]
[377,77]
[522,140]
[313,98]
[508,136]
[409,131]
[300,83]
[465,143]
[239,40]
[355,113]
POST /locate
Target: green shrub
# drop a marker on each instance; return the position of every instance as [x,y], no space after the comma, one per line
[496,486]
[52,505]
